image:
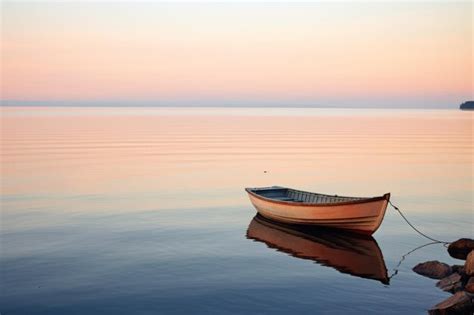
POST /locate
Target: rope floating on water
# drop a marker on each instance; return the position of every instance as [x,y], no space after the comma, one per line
[414,228]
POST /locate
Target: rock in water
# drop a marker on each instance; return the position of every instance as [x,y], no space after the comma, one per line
[433,269]
[451,283]
[458,268]
[461,248]
[470,285]
[469,264]
[459,303]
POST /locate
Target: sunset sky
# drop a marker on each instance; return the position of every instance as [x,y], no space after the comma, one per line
[367,54]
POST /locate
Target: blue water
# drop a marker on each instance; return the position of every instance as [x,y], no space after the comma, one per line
[119,212]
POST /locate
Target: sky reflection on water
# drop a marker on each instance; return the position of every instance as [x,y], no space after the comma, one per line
[133,212]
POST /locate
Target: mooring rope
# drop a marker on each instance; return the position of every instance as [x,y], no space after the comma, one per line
[414,228]
[395,270]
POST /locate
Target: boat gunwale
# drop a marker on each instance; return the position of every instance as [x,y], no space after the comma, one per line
[312,204]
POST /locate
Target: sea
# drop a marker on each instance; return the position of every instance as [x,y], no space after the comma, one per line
[143,210]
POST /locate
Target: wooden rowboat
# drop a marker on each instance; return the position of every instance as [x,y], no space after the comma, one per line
[287,205]
[349,253]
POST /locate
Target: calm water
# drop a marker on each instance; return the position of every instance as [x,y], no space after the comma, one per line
[143,211]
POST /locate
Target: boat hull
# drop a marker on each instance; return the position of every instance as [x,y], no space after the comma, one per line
[363,216]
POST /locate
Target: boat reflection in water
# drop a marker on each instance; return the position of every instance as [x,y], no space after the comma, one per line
[353,254]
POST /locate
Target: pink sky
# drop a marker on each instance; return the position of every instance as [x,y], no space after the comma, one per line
[312,52]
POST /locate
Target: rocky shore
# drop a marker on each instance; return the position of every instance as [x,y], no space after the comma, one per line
[456,279]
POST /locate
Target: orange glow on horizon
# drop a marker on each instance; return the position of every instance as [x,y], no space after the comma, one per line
[229,51]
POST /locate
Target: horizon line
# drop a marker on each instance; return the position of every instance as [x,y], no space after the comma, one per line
[222,104]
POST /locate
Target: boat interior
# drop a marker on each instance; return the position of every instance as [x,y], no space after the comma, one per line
[293,195]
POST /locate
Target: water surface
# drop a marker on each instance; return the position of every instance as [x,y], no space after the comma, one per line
[108,210]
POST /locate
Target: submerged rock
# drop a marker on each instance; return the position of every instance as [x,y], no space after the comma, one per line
[451,283]
[469,264]
[460,303]
[433,269]
[461,248]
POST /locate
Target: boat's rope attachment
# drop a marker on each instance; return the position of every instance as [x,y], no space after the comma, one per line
[414,228]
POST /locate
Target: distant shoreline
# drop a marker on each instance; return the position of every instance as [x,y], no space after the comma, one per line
[99,104]
[469,105]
